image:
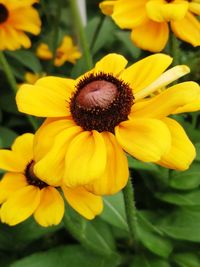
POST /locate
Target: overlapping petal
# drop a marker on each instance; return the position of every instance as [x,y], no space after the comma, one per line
[82,168]
[116,172]
[20,206]
[182,151]
[145,139]
[49,97]
[51,208]
[84,202]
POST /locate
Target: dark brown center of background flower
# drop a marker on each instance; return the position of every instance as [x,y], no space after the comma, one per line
[3,13]
[31,178]
[101,102]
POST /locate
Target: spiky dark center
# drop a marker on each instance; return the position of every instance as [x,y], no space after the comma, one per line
[101,102]
[3,13]
[31,178]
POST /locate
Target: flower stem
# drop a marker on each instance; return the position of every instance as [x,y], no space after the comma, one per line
[174,45]
[81,33]
[13,84]
[131,211]
[78,233]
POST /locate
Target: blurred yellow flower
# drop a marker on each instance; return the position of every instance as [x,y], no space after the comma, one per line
[17,17]
[149,20]
[67,51]
[24,194]
[108,110]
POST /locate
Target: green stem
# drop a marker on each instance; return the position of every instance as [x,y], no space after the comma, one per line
[13,84]
[78,234]
[81,33]
[174,45]
[131,212]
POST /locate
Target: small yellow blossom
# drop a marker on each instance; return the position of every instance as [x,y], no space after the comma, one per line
[150,20]
[24,194]
[16,18]
[67,51]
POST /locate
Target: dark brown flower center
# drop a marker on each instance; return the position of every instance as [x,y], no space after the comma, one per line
[101,102]
[31,178]
[169,1]
[3,13]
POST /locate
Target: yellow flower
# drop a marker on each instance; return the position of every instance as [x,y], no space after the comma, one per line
[17,17]
[24,194]
[149,20]
[65,52]
[94,119]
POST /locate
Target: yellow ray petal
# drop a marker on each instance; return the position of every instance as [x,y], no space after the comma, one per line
[49,97]
[191,107]
[10,161]
[82,168]
[23,147]
[167,102]
[151,36]
[145,71]
[166,78]
[10,183]
[107,7]
[187,29]
[116,172]
[128,14]
[145,139]
[20,206]
[112,63]
[55,158]
[194,7]
[51,208]
[161,11]
[182,151]
[84,202]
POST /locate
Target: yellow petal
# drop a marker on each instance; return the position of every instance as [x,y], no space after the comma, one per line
[55,158]
[23,147]
[151,36]
[85,159]
[161,11]
[111,64]
[168,101]
[187,29]
[45,135]
[116,172]
[43,52]
[10,161]
[166,78]
[49,97]
[20,206]
[51,208]
[128,13]
[10,183]
[191,107]
[182,151]
[107,7]
[145,139]
[84,202]
[194,7]
[145,71]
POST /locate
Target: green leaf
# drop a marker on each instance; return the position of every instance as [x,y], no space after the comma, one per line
[23,234]
[182,199]
[7,103]
[7,137]
[197,145]
[153,242]
[186,259]
[114,211]
[73,256]
[186,180]
[27,59]
[148,261]
[182,224]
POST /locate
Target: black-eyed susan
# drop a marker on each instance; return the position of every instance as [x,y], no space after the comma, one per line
[67,51]
[108,110]
[149,20]
[16,18]
[24,194]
